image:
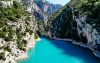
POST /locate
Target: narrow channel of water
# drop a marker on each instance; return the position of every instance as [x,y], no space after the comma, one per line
[57,51]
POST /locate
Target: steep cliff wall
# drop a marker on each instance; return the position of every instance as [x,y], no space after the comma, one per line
[79,21]
[17,30]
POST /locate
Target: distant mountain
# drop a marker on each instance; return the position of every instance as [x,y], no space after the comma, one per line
[47,7]
[41,10]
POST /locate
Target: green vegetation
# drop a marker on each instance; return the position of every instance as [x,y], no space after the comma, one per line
[41,27]
[91,8]
[10,14]
[7,33]
[77,3]
[2,56]
[21,43]
[13,13]
[7,48]
[61,23]
[29,30]
[36,36]
[57,13]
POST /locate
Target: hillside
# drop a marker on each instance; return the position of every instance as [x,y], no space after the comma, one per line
[78,21]
[17,30]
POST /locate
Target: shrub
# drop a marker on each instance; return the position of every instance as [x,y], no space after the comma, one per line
[12,18]
[16,4]
[7,48]
[2,56]
[36,36]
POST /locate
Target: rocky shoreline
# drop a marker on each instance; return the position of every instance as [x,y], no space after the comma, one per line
[29,47]
[96,53]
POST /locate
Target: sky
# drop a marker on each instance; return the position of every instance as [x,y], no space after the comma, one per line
[62,2]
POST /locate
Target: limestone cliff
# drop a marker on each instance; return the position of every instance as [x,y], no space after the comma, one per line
[78,21]
[17,26]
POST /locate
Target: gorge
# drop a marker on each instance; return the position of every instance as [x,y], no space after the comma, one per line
[73,31]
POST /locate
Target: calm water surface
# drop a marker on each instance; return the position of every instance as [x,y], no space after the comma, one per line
[57,51]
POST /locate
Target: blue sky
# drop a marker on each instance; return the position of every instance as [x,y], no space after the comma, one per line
[63,2]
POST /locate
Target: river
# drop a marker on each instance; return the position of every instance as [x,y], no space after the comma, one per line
[58,51]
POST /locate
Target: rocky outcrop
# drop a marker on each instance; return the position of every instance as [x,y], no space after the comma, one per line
[6,3]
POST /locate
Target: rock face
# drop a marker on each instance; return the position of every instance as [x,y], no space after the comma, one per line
[17,30]
[47,7]
[7,3]
[87,35]
[77,21]
[41,9]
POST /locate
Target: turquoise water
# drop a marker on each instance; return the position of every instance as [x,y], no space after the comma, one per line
[57,51]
